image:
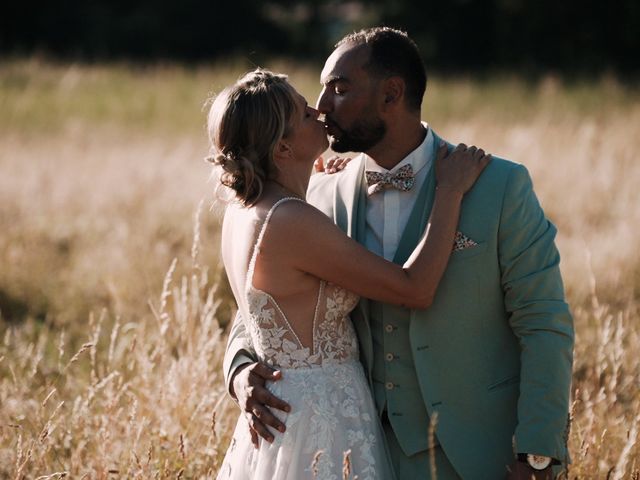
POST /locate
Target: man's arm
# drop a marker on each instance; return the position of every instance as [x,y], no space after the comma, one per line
[540,318]
[239,351]
[246,379]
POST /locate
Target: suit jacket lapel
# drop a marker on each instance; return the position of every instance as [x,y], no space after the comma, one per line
[350,213]
[361,229]
[350,207]
[347,200]
[420,214]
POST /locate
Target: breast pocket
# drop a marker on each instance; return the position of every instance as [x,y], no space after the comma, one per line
[468,252]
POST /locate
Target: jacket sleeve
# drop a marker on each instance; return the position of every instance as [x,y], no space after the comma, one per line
[539,317]
[239,350]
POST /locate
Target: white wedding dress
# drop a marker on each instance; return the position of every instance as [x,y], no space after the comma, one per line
[332,410]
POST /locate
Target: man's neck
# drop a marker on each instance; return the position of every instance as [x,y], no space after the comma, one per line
[397,144]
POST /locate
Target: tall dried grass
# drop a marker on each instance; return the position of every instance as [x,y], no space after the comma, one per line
[101,172]
[137,400]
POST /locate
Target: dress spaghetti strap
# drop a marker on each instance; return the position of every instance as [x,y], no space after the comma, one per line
[249,285]
[256,246]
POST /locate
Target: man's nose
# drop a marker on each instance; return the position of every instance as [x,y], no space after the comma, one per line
[323,105]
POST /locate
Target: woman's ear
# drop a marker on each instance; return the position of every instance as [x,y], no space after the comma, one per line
[282,152]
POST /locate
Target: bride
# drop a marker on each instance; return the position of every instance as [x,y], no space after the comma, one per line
[296,277]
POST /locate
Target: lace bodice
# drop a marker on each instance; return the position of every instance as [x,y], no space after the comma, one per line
[274,339]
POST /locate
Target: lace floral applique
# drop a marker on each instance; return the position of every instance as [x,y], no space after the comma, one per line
[334,338]
[274,341]
[333,406]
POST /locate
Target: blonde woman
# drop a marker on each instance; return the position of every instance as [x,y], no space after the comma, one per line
[296,277]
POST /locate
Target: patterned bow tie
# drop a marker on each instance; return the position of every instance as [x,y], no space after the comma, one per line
[402,180]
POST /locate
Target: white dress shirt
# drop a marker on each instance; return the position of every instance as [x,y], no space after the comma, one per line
[388,210]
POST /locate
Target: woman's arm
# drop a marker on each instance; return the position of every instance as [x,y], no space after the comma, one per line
[310,242]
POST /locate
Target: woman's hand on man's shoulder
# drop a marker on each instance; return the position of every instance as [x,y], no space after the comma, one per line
[334,164]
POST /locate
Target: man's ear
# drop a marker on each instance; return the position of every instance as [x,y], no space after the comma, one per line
[393,91]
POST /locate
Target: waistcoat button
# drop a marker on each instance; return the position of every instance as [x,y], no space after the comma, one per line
[389,386]
[388,328]
[389,357]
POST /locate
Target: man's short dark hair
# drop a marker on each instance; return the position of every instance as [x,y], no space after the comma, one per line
[393,53]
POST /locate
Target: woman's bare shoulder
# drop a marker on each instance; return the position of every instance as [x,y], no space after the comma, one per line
[294,220]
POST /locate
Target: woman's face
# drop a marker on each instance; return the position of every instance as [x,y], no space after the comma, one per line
[308,137]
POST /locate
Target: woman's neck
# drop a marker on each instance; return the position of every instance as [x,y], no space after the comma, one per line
[290,189]
[292,185]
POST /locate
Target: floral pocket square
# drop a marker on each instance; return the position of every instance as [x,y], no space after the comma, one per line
[461,241]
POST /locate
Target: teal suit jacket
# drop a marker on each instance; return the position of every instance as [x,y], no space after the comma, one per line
[493,353]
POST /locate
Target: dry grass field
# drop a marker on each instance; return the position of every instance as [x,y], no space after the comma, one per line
[113,303]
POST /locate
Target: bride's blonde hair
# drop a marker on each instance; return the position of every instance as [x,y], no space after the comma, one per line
[245,123]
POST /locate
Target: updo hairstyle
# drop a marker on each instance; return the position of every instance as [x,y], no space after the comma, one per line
[245,123]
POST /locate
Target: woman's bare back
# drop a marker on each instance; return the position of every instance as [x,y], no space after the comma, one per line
[296,319]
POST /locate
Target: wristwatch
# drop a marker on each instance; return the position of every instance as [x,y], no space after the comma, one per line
[537,462]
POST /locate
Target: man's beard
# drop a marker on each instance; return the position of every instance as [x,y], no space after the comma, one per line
[363,135]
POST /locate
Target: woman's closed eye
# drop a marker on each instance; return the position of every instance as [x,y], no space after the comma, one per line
[311,113]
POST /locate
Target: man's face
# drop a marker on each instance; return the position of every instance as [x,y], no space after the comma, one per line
[349,100]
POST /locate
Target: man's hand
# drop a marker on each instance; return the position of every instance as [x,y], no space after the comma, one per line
[522,471]
[333,165]
[248,385]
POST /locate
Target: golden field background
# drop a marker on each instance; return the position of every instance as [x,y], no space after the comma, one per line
[112,299]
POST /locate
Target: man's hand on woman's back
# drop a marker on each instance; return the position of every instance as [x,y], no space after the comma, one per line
[256,401]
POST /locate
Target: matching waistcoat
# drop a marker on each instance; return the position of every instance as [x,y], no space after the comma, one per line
[395,383]
[394,376]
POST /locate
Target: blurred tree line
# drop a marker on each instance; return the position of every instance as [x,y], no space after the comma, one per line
[568,36]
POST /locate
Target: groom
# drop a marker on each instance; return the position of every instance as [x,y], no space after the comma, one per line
[488,365]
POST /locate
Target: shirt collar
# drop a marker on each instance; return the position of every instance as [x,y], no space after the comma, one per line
[418,158]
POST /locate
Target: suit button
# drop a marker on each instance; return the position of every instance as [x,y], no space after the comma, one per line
[389,357]
[388,328]
[389,386]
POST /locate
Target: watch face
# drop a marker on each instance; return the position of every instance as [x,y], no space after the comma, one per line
[538,462]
